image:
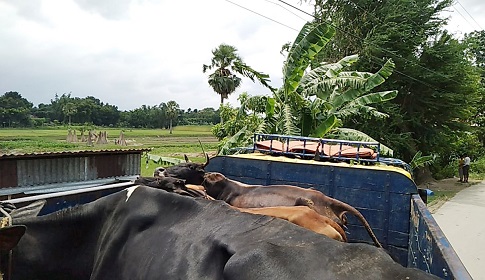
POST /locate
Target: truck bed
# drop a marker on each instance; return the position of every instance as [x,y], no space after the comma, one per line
[386,196]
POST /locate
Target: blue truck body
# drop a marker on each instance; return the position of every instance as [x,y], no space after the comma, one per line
[386,196]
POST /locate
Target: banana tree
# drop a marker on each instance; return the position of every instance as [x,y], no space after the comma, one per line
[288,104]
[335,94]
[314,101]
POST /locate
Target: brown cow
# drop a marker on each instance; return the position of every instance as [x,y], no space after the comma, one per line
[304,217]
[255,196]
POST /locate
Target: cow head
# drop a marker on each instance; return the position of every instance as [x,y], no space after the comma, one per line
[173,183]
[214,183]
[191,172]
[165,183]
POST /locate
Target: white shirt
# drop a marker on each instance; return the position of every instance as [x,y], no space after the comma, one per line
[467,161]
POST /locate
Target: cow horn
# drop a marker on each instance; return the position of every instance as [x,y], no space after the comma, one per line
[186,158]
[206,155]
[206,160]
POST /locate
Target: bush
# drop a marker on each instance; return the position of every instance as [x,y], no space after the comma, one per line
[449,171]
[477,169]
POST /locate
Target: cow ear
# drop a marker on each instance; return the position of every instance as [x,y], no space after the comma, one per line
[303,201]
[158,172]
[10,236]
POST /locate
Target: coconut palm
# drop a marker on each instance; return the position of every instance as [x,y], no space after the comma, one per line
[69,110]
[227,64]
[172,111]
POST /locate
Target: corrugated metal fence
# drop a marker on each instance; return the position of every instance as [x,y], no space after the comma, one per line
[24,170]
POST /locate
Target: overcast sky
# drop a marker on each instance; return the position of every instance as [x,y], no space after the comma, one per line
[130,53]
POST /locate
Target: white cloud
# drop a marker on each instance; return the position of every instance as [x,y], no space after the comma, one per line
[140,52]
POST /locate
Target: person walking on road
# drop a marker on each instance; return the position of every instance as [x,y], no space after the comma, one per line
[466,168]
[461,161]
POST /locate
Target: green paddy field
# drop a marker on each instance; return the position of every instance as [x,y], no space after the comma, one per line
[183,140]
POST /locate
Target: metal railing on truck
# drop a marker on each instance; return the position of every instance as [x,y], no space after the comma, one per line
[68,198]
[323,149]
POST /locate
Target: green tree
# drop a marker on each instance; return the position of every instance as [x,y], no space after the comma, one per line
[14,110]
[437,87]
[227,64]
[172,113]
[79,110]
[475,51]
[159,116]
[433,113]
[204,116]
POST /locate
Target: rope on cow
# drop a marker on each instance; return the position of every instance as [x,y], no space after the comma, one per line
[7,220]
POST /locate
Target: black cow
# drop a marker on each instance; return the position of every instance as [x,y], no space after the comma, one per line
[146,233]
[191,172]
[174,185]
[169,184]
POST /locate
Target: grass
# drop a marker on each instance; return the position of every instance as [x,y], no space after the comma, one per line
[445,190]
[184,140]
[440,196]
[60,132]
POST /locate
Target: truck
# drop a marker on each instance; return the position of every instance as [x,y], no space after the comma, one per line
[354,172]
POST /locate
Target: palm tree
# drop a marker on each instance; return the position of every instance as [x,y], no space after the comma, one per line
[69,109]
[172,112]
[226,64]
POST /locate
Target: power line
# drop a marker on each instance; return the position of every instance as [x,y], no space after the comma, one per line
[469,14]
[355,36]
[296,8]
[285,9]
[262,15]
[380,61]
[456,10]
[376,46]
